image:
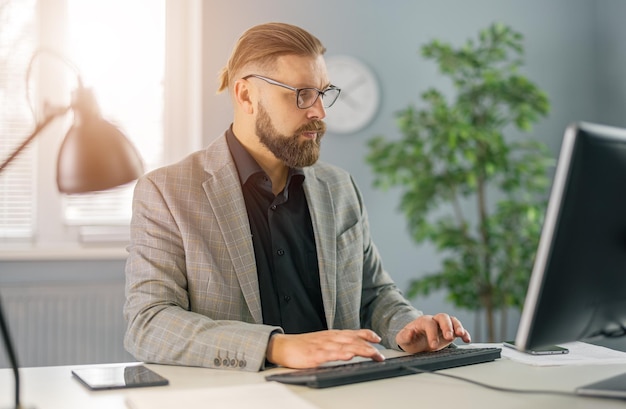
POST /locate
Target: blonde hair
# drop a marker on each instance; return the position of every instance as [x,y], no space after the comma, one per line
[260,45]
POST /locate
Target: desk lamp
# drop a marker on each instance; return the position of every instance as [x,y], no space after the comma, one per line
[94,155]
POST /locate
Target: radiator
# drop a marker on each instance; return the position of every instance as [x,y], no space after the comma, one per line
[65,324]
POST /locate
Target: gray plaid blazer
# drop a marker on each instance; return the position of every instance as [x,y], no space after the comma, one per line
[192,293]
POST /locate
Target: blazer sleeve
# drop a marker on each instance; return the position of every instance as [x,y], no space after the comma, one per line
[358,292]
[383,306]
[166,323]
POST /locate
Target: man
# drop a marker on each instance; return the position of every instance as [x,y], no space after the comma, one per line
[251,252]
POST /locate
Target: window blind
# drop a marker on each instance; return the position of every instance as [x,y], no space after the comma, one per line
[17,184]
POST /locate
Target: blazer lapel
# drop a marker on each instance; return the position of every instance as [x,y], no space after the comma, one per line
[223,191]
[323,218]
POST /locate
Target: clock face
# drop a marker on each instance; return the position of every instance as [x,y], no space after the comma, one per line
[360,95]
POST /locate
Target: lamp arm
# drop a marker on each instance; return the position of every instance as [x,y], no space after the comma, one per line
[29,139]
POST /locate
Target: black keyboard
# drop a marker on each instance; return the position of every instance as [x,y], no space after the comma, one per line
[325,376]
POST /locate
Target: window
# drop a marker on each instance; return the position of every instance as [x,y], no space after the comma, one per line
[141,59]
[119,47]
[17,38]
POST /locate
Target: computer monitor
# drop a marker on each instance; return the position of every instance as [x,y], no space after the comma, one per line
[577,289]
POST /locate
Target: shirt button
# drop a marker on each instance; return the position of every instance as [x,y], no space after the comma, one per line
[280,252]
[287,298]
[273,207]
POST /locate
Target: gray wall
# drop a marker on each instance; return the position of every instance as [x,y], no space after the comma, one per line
[575,51]
[610,61]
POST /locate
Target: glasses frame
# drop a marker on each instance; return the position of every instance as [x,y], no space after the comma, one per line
[298,90]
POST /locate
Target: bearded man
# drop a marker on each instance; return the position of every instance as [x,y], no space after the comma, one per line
[252,252]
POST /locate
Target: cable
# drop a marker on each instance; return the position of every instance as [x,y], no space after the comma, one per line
[492,387]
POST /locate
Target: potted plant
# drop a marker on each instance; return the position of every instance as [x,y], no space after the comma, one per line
[477,194]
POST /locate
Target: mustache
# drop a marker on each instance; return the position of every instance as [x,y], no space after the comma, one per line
[313,126]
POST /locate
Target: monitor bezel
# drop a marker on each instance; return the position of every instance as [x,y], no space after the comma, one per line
[527,336]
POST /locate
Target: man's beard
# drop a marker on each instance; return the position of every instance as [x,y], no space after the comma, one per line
[289,149]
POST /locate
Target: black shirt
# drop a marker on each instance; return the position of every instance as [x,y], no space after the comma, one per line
[284,246]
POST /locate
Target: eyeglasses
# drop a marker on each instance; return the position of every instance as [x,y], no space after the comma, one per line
[306,97]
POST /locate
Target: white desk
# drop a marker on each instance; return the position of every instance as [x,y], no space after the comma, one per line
[55,388]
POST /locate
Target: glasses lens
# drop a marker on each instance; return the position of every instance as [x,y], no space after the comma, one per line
[307,97]
[330,96]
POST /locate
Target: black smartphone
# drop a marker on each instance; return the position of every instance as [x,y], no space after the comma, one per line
[547,350]
[117,377]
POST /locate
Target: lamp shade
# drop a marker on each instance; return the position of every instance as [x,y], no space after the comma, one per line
[94,155]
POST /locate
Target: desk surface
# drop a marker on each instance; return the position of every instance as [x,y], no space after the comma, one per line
[55,388]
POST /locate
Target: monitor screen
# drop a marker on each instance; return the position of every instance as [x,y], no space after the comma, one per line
[577,289]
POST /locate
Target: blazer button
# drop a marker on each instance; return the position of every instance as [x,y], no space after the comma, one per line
[233,362]
[226,362]
[242,363]
[217,362]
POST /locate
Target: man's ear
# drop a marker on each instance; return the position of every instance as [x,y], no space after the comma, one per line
[244,92]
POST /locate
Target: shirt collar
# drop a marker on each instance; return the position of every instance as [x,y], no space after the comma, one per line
[245,163]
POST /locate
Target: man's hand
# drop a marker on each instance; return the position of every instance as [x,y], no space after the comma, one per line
[315,348]
[431,333]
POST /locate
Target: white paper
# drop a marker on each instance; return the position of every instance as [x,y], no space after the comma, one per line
[270,395]
[580,353]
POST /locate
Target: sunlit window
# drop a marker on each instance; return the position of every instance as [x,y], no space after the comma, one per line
[17,42]
[120,48]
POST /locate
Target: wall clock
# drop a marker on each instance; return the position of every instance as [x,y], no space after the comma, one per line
[360,94]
